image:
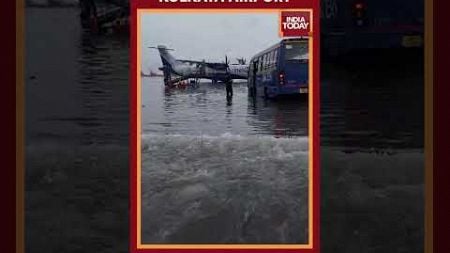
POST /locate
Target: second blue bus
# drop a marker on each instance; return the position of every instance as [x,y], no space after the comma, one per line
[282,69]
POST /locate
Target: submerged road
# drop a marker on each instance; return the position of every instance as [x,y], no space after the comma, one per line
[239,165]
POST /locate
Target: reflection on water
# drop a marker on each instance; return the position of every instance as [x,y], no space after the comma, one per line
[376,105]
[372,163]
[205,110]
[77,85]
[211,161]
[76,136]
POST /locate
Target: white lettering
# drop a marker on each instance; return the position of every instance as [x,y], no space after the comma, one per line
[295,25]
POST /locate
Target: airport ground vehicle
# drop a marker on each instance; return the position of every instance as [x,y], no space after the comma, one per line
[348,25]
[281,69]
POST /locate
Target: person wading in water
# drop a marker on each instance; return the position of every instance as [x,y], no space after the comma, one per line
[229,88]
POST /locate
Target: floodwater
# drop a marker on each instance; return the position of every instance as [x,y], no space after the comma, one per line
[204,110]
[77,165]
[371,159]
[240,164]
[76,129]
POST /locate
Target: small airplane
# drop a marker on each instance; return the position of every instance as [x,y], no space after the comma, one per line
[176,70]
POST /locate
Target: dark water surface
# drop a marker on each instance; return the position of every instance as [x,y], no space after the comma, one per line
[204,110]
[77,151]
[76,136]
[77,84]
[240,165]
[372,163]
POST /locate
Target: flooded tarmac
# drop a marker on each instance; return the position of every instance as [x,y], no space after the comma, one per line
[241,164]
[203,109]
[372,161]
[77,151]
[253,188]
[76,129]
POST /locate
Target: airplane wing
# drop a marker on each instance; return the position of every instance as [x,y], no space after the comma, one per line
[214,65]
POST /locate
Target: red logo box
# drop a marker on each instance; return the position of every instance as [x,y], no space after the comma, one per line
[295,23]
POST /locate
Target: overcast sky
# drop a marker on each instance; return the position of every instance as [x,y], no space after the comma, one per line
[198,36]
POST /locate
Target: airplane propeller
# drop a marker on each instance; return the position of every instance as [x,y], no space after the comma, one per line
[226,64]
[226,61]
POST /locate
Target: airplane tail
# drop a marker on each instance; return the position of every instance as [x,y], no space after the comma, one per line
[168,62]
[167,59]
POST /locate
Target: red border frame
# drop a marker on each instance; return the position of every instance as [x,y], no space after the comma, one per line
[441,125]
[312,4]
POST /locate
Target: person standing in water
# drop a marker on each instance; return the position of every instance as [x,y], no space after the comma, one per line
[229,88]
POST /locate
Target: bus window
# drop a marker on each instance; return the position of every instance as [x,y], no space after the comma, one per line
[263,61]
[296,51]
[275,56]
[260,63]
[270,61]
[274,59]
[266,57]
[255,65]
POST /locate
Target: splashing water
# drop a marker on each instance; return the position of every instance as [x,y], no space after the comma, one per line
[224,189]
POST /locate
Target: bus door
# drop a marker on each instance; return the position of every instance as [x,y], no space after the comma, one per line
[252,73]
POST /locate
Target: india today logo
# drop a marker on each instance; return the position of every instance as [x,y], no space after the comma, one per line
[295,23]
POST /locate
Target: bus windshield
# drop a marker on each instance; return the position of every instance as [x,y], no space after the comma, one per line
[297,51]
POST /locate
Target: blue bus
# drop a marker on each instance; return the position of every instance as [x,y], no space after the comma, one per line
[281,69]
